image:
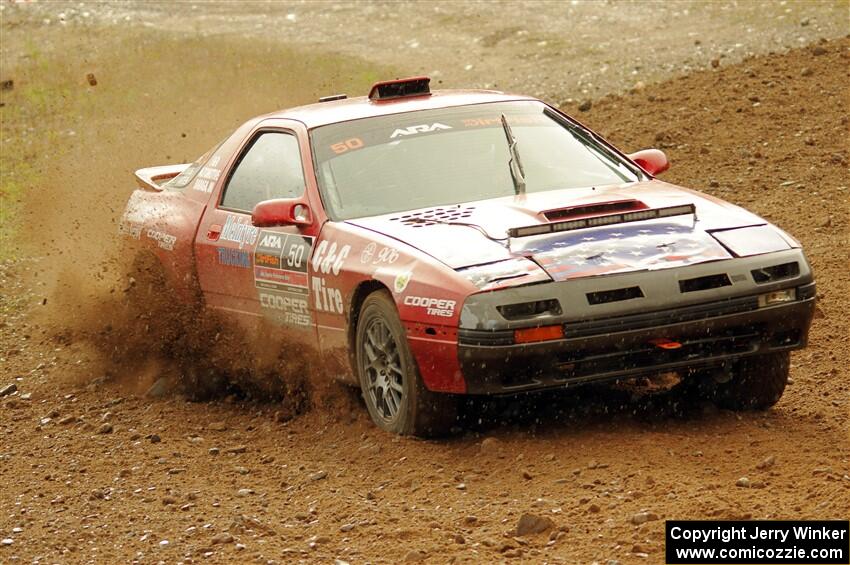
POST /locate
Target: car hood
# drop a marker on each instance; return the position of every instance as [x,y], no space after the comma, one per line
[648,244]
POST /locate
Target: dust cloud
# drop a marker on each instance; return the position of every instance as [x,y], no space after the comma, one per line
[103,298]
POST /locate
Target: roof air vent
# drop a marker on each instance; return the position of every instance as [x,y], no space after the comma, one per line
[400,88]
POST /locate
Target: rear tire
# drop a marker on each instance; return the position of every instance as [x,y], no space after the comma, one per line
[395,396]
[757,382]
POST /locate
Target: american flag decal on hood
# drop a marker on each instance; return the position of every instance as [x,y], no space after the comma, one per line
[620,248]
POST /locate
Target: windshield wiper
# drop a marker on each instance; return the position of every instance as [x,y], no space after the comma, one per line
[517,173]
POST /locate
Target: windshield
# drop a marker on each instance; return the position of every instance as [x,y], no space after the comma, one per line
[387,164]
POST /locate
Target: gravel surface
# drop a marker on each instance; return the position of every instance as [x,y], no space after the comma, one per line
[94,470]
[554,50]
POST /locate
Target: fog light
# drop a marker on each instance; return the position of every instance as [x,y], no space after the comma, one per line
[777,297]
[544,333]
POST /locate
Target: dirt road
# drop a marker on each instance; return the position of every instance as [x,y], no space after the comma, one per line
[94,471]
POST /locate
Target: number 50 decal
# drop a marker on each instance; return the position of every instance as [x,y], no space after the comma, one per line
[343,146]
[295,255]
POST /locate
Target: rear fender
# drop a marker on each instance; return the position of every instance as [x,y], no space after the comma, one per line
[164,223]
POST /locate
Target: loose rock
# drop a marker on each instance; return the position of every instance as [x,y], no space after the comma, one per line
[491,446]
[767,463]
[223,537]
[530,524]
[643,517]
[105,428]
[158,389]
[8,389]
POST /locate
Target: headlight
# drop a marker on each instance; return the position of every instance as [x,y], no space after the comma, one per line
[777,297]
[510,272]
[755,240]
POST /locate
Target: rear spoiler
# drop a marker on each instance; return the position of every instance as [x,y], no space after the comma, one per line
[606,220]
[152,178]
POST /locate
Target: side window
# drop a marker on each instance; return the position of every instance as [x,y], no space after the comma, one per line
[269,168]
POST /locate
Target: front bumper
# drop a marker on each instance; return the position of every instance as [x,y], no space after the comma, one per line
[613,345]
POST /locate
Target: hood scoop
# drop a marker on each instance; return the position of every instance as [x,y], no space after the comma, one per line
[596,209]
[435,216]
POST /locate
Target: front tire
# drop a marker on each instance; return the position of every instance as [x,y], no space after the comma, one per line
[756,383]
[395,396]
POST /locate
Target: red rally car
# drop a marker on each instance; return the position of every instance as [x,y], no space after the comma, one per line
[434,244]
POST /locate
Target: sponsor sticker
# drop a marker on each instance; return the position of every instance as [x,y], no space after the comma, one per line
[207,176]
[327,299]
[433,306]
[422,128]
[238,230]
[368,253]
[371,256]
[280,275]
[280,261]
[401,281]
[131,229]
[330,257]
[286,308]
[164,240]
[233,257]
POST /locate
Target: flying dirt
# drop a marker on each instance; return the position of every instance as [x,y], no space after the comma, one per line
[110,453]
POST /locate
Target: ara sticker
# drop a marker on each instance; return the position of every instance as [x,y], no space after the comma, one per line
[423,128]
[280,261]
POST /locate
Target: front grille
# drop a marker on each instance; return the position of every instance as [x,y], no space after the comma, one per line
[621,323]
[735,341]
[704,283]
[616,295]
[661,318]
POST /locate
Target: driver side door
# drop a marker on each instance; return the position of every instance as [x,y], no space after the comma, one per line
[251,273]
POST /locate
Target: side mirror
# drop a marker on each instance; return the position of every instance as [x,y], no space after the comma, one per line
[281,212]
[653,161]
